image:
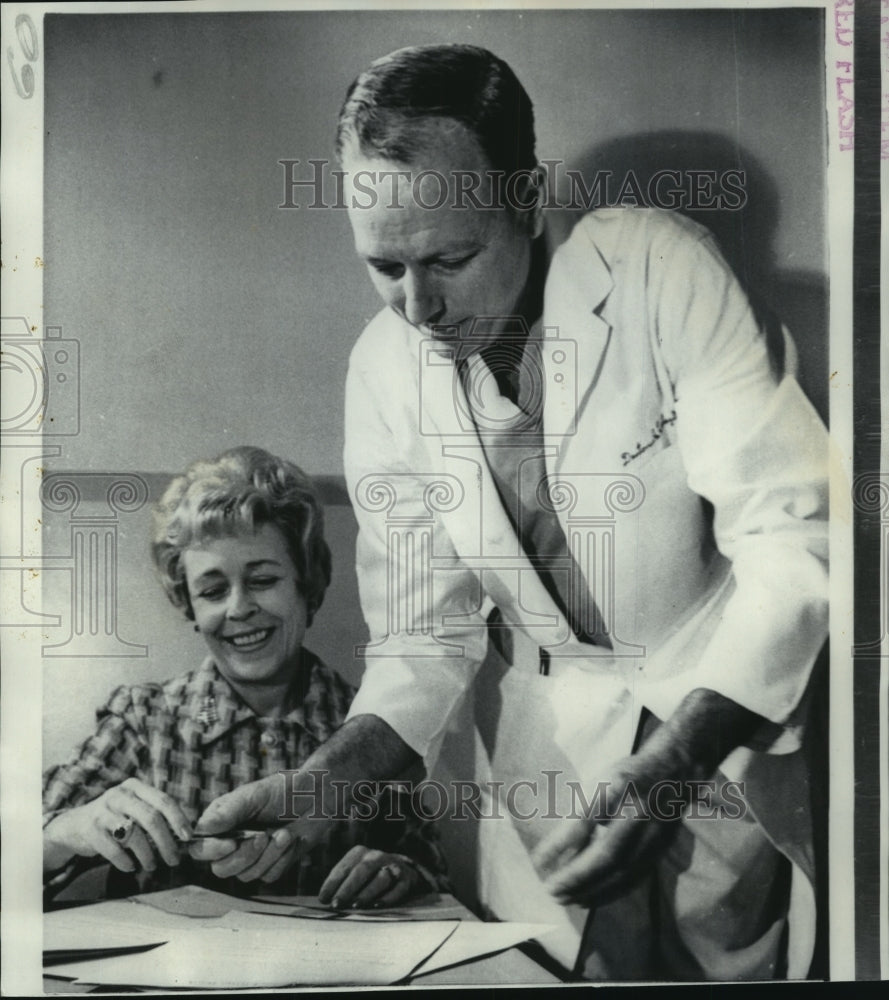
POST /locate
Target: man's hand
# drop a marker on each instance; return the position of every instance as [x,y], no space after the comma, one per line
[365,748]
[592,859]
[257,804]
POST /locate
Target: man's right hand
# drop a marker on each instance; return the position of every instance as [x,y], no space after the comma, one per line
[255,805]
[365,748]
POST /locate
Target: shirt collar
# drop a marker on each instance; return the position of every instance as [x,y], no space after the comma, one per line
[216,708]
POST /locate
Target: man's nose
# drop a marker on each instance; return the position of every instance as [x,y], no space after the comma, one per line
[422,302]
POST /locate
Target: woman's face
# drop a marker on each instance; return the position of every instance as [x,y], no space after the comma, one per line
[247,605]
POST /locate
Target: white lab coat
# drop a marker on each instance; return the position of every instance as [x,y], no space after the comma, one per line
[659,391]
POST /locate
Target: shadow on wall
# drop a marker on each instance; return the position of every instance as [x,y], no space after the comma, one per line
[721,186]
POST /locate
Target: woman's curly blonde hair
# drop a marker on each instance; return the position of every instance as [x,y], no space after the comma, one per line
[241,489]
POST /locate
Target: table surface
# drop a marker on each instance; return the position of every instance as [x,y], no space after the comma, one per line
[508,967]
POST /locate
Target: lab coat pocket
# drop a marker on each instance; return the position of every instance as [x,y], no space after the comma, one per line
[546,736]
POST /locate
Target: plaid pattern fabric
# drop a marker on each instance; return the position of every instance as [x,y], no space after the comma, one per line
[195,739]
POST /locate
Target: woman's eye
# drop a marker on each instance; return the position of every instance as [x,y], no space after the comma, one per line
[212,593]
[262,582]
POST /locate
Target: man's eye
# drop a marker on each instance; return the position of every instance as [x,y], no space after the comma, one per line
[388,270]
[455,264]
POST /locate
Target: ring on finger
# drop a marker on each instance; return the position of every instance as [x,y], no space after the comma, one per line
[123,831]
[393,871]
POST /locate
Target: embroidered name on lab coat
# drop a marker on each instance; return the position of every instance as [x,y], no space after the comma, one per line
[656,433]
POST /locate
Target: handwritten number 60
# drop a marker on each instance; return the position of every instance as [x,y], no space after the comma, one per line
[26,34]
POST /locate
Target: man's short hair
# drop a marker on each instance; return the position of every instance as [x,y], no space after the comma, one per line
[241,490]
[385,104]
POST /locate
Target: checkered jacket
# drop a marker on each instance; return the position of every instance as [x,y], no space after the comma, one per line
[194,738]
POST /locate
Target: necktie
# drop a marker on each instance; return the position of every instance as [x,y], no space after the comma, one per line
[504,386]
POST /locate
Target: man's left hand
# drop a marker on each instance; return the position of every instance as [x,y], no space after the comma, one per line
[589,860]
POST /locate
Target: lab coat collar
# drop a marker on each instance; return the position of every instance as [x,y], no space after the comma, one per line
[575,334]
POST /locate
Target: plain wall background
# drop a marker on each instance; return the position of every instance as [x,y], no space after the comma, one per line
[208,317]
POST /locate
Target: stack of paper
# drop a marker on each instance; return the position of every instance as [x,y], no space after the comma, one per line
[221,946]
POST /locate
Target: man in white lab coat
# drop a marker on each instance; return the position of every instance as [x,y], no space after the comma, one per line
[593,544]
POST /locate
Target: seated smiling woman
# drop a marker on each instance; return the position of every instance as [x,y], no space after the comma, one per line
[239,546]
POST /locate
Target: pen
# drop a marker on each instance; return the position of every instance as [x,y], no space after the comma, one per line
[232,835]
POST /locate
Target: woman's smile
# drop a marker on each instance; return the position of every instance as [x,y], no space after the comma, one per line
[249,641]
[248,606]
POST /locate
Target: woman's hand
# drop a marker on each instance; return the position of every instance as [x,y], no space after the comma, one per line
[366,877]
[148,823]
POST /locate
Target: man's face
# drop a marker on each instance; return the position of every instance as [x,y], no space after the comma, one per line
[439,267]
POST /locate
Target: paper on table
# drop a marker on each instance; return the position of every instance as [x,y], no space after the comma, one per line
[194,900]
[434,907]
[111,924]
[254,950]
[271,948]
[472,940]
